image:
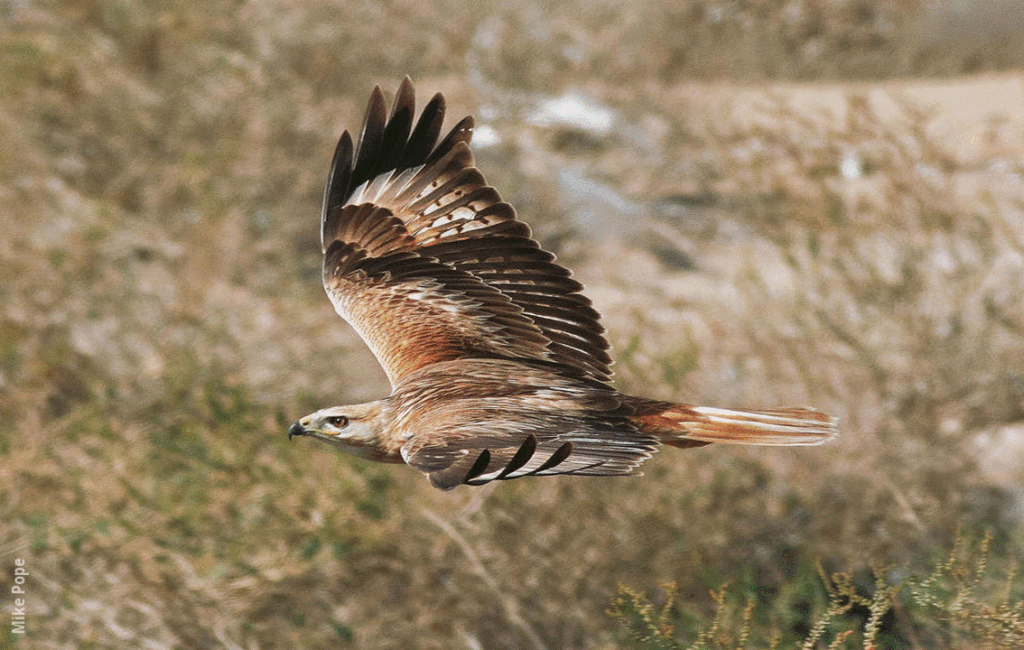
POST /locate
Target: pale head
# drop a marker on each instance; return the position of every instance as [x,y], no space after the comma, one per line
[355,428]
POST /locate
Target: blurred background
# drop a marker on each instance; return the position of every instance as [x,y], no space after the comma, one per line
[775,202]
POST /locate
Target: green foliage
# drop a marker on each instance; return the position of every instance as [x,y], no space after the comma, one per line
[737,625]
[964,601]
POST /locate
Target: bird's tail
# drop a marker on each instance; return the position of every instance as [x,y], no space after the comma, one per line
[683,425]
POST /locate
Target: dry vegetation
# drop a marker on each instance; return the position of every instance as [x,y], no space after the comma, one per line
[161,322]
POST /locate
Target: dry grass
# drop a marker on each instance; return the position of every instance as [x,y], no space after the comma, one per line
[161,322]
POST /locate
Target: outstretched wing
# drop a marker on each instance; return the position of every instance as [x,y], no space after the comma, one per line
[427,262]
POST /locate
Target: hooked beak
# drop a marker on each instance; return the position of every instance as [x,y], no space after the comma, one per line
[296,430]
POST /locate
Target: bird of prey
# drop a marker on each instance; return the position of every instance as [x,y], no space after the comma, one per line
[498,366]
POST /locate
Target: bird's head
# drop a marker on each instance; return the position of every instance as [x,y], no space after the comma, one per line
[356,428]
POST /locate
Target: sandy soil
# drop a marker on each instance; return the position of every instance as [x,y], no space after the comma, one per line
[968,111]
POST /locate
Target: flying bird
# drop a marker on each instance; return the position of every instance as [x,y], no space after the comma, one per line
[498,365]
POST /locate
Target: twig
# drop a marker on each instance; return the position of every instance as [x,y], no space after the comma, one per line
[508,604]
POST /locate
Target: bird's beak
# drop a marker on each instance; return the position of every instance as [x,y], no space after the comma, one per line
[296,430]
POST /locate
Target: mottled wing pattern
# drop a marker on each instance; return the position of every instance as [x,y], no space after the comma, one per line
[427,262]
[597,449]
[477,460]
[505,420]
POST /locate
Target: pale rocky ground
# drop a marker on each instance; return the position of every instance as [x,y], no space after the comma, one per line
[980,119]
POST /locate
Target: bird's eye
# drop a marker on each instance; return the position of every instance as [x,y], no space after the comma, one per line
[338,421]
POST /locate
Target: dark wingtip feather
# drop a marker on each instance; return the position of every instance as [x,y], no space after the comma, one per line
[396,133]
[406,95]
[461,132]
[556,458]
[425,135]
[388,141]
[371,137]
[523,456]
[338,178]
[479,467]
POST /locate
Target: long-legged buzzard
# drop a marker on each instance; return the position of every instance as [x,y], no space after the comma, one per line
[498,366]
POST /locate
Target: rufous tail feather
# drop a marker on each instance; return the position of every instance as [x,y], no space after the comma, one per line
[682,425]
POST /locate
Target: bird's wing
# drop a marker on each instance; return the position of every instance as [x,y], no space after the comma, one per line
[477,421]
[481,459]
[427,262]
[476,463]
